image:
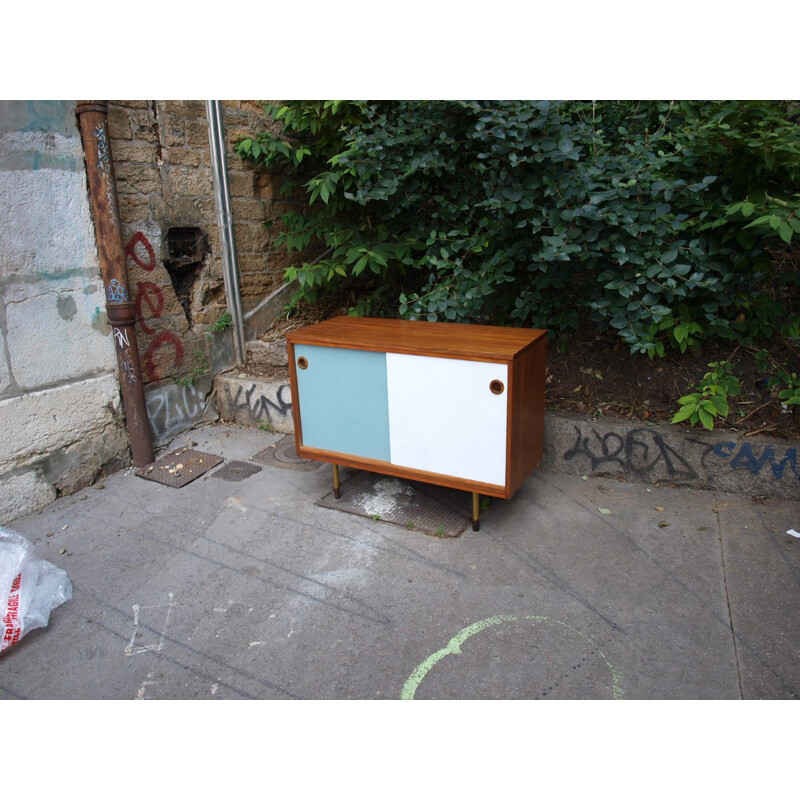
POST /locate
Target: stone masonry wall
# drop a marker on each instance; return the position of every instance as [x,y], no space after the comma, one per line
[163,170]
[257,206]
[162,163]
[60,408]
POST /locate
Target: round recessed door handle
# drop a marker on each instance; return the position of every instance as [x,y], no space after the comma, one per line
[496,387]
[302,362]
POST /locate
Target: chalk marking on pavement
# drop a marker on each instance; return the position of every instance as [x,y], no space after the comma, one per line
[454,648]
[140,695]
[132,650]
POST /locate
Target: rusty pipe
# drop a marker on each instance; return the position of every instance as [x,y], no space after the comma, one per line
[93,116]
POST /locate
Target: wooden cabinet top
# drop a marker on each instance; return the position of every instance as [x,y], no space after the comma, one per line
[444,339]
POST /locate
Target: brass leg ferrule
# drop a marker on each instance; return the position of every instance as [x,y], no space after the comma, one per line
[336,490]
[476,510]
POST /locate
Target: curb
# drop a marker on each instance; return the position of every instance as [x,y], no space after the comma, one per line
[648,453]
[671,455]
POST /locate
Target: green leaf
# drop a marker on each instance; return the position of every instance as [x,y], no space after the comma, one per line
[785,232]
[684,413]
[720,405]
[603,510]
[705,419]
[759,221]
[708,406]
[378,258]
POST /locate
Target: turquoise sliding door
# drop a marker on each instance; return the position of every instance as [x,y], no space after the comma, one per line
[344,405]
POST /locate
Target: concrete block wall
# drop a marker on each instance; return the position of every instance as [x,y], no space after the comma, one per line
[60,410]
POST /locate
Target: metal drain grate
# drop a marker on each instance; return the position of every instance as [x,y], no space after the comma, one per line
[283,455]
[179,467]
[416,506]
[236,471]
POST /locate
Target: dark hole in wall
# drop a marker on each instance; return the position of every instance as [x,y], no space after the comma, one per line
[186,248]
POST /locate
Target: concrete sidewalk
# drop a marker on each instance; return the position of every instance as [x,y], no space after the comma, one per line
[249,589]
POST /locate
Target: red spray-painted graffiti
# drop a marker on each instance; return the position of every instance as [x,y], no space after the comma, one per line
[139,238]
[149,296]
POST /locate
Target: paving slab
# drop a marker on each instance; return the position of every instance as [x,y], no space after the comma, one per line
[574,589]
[762,573]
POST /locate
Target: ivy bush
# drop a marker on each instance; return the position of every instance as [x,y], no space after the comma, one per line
[648,219]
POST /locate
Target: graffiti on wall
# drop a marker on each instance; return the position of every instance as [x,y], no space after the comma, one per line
[644,454]
[255,405]
[175,407]
[641,452]
[149,305]
[744,456]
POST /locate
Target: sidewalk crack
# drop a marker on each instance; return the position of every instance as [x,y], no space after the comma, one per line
[727,596]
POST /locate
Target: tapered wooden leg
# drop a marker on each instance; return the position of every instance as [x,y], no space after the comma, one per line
[336,491]
[476,510]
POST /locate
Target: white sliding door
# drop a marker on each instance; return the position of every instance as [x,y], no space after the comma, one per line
[444,416]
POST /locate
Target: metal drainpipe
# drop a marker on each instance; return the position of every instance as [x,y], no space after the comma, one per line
[222,201]
[93,116]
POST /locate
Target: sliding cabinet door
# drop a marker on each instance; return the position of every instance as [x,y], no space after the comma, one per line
[343,400]
[448,416]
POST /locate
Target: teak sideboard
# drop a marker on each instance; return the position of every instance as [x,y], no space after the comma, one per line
[444,403]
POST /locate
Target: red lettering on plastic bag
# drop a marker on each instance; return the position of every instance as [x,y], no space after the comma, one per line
[13,626]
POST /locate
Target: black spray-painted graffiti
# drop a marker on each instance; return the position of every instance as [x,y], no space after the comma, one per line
[745,458]
[640,452]
[258,406]
[643,453]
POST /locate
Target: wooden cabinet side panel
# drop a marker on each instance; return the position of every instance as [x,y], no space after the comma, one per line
[526,428]
[298,431]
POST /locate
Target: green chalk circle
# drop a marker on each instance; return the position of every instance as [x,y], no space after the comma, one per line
[453,647]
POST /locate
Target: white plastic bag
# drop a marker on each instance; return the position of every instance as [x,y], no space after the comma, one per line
[30,588]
